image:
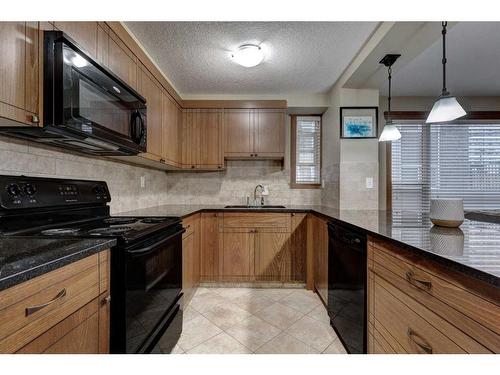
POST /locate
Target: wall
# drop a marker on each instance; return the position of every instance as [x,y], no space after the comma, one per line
[18,157]
[421,103]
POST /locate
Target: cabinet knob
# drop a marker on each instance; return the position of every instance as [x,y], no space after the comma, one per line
[35,119]
[106,300]
[192,166]
[256,155]
[162,161]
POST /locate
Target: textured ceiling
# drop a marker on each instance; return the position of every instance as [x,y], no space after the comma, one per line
[300,57]
[473,54]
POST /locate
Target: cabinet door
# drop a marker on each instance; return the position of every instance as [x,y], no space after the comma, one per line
[188,243]
[121,61]
[237,263]
[171,131]
[320,238]
[208,130]
[269,133]
[272,256]
[149,88]
[102,44]
[83,33]
[209,246]
[238,133]
[298,245]
[19,69]
[189,139]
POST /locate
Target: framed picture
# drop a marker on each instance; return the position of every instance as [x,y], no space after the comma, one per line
[358,122]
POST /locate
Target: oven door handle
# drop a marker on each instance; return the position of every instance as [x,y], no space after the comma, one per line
[149,249]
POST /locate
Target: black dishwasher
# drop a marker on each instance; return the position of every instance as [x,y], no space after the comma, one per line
[347,285]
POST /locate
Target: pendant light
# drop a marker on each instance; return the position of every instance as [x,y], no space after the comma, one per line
[446,107]
[390,131]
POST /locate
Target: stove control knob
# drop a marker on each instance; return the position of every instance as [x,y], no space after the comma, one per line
[99,190]
[13,190]
[29,189]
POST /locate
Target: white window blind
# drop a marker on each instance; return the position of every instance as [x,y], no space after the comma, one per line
[308,150]
[446,161]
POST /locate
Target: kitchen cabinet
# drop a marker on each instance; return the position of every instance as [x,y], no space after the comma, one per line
[58,312]
[151,90]
[319,238]
[298,247]
[237,254]
[272,255]
[190,257]
[121,60]
[202,139]
[171,131]
[417,306]
[19,72]
[83,33]
[210,238]
[254,133]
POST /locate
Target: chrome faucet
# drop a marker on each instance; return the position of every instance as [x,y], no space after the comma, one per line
[261,196]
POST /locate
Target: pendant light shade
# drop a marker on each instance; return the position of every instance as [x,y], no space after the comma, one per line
[446,108]
[390,131]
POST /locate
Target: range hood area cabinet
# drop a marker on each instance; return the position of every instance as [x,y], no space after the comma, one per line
[254,133]
[202,139]
[19,91]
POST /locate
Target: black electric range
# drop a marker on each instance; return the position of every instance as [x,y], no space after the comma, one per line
[146,263]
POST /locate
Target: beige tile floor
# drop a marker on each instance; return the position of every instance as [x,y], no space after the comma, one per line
[245,321]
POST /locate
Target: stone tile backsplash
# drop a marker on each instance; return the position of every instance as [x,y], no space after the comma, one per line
[19,157]
[227,187]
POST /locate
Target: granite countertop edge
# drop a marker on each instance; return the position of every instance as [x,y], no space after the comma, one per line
[189,210]
[81,250]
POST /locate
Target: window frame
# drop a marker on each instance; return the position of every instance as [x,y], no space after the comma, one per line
[421,116]
[293,152]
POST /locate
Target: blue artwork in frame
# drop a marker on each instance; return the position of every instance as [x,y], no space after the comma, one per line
[358,122]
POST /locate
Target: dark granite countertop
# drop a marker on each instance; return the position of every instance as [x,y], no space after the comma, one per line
[23,258]
[474,248]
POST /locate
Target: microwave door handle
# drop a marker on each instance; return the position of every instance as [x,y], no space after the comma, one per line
[146,250]
[137,127]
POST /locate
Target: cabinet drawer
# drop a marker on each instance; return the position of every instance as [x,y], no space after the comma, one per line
[189,224]
[261,220]
[474,315]
[76,334]
[45,301]
[414,327]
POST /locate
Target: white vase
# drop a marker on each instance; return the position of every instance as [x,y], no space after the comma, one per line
[447,212]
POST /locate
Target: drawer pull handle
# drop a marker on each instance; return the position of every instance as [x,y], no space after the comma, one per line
[410,277]
[33,309]
[420,342]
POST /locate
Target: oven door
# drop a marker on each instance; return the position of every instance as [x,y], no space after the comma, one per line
[87,99]
[153,293]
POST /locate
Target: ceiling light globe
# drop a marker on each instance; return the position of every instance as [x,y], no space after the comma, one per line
[248,55]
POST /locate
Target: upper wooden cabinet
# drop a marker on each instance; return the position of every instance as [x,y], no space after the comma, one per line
[150,89]
[83,33]
[171,131]
[202,139]
[19,72]
[254,133]
[121,60]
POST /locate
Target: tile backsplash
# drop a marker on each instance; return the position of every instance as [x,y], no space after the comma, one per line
[238,181]
[19,157]
[227,187]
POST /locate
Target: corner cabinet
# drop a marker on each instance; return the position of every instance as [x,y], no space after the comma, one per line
[19,73]
[319,239]
[202,139]
[190,257]
[65,311]
[254,133]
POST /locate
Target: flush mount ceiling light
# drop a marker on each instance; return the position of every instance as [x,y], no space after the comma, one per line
[390,131]
[248,55]
[446,107]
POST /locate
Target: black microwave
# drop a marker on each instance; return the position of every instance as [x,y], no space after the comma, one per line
[86,107]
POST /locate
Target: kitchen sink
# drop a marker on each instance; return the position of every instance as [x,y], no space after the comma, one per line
[254,207]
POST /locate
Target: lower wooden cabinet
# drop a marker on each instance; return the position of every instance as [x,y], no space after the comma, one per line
[63,311]
[190,256]
[319,239]
[249,247]
[417,306]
